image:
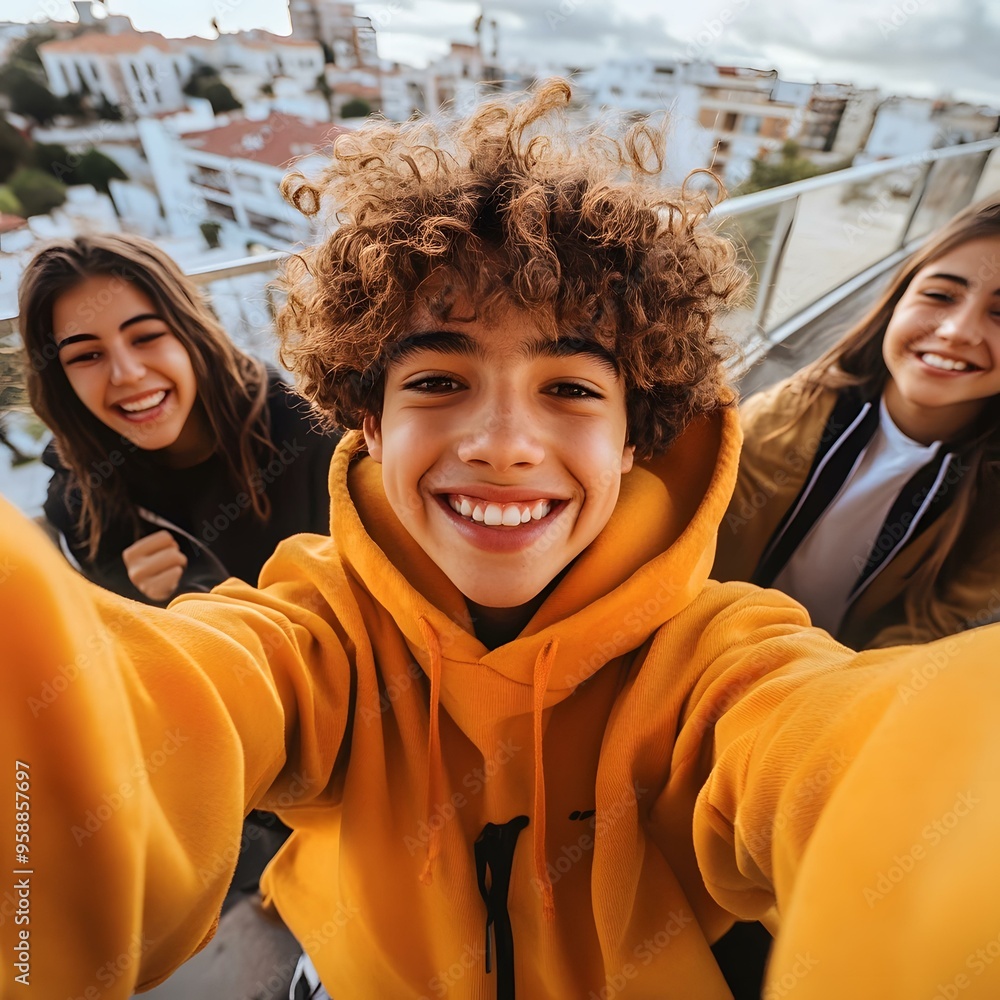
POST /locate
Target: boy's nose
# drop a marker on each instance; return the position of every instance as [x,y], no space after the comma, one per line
[501,437]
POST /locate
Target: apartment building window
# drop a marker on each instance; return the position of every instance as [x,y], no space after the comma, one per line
[212,178]
[751,124]
[729,121]
[220,211]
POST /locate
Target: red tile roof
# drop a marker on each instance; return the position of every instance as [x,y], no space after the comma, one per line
[98,43]
[276,140]
[8,223]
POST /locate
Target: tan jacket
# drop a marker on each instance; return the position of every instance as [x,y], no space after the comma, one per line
[773,470]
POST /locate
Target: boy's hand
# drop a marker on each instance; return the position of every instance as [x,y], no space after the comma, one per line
[155,564]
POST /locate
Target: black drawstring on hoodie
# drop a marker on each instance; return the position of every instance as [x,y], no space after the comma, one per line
[494,859]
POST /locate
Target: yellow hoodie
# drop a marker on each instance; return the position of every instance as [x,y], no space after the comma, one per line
[575,814]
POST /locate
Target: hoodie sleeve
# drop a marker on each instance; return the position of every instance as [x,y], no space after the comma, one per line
[861,792]
[135,741]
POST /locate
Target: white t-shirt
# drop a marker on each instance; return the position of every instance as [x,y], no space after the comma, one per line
[828,562]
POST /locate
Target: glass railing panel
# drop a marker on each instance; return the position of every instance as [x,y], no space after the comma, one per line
[839,230]
[245,306]
[949,185]
[753,234]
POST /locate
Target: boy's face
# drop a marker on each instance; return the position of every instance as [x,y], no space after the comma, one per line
[502,450]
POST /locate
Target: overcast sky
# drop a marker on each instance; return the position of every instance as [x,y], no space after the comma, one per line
[923,47]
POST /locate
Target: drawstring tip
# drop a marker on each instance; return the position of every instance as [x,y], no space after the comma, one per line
[427,875]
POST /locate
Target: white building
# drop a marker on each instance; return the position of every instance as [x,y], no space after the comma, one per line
[404,91]
[750,114]
[139,70]
[231,175]
[645,86]
[350,37]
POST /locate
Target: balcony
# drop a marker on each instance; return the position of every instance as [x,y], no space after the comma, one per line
[818,252]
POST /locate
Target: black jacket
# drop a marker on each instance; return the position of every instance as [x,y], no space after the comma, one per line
[209,515]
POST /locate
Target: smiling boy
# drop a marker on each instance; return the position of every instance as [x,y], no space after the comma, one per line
[525,747]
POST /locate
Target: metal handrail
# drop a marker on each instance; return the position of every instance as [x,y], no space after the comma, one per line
[740,205]
[786,196]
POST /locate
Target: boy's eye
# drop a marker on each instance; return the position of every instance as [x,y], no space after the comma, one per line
[573,390]
[433,384]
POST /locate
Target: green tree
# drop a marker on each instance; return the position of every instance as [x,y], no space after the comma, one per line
[28,95]
[355,108]
[107,111]
[37,191]
[55,159]
[210,229]
[9,205]
[14,151]
[97,169]
[791,166]
[26,50]
[221,98]
[205,82]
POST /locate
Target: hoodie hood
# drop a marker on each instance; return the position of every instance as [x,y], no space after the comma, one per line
[622,588]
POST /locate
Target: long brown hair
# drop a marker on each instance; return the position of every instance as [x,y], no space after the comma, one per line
[232,387]
[856,361]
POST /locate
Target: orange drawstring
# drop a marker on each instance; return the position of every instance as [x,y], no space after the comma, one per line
[543,666]
[434,762]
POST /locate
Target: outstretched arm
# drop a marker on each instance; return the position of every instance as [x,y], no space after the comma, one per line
[863,791]
[135,741]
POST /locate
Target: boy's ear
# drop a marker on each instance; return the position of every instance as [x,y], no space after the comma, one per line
[372,428]
[628,457]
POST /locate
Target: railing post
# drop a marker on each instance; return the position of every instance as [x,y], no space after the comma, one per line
[916,200]
[779,240]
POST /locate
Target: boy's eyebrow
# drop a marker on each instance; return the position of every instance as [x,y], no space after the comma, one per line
[565,347]
[454,342]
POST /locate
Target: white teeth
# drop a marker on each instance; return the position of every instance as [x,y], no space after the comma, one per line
[493,515]
[145,402]
[511,515]
[508,515]
[946,364]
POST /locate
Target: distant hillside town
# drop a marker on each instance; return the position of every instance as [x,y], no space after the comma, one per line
[186,139]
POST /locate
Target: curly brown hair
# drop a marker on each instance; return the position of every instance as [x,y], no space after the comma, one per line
[512,206]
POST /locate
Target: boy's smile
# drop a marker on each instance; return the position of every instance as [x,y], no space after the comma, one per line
[502,450]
